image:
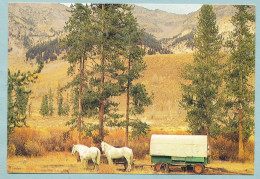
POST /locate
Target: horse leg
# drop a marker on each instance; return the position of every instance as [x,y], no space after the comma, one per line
[86,164]
[82,163]
[129,164]
[109,159]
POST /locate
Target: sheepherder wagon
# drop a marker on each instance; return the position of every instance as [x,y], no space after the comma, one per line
[187,151]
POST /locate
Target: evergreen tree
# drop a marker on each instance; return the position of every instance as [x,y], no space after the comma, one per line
[66,107]
[80,39]
[109,24]
[201,95]
[50,105]
[241,66]
[18,96]
[135,65]
[44,110]
[60,105]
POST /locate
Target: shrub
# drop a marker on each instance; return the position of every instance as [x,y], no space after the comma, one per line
[32,148]
[11,150]
[20,137]
[224,149]
[140,147]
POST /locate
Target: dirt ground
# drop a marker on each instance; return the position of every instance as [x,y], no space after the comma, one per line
[64,162]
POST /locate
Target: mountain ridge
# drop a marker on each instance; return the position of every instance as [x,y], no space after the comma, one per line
[32,23]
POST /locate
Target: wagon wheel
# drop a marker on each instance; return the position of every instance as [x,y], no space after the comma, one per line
[166,168]
[198,168]
[158,167]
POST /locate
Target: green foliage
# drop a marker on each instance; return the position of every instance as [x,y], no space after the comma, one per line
[148,40]
[189,37]
[45,51]
[50,105]
[139,128]
[44,110]
[201,97]
[140,98]
[102,40]
[66,107]
[18,95]
[60,105]
[241,65]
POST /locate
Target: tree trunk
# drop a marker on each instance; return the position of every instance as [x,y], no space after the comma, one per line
[208,138]
[240,113]
[240,137]
[128,95]
[80,104]
[101,101]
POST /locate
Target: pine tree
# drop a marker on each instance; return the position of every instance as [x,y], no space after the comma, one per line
[60,105]
[201,95]
[18,96]
[66,107]
[44,110]
[80,39]
[239,93]
[50,105]
[109,24]
[135,65]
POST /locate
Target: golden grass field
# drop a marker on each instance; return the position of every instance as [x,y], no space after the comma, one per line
[165,116]
[64,162]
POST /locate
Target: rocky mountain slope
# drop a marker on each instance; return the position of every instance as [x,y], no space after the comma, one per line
[32,23]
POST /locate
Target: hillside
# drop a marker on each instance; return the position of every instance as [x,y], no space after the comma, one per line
[32,23]
[162,78]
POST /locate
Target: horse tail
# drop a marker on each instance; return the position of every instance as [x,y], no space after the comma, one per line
[98,156]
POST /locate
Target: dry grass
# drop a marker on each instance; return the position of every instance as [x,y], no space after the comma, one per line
[64,162]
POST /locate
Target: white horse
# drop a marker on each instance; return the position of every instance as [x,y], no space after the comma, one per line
[86,153]
[117,153]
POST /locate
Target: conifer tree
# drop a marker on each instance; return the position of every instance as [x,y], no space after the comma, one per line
[109,25]
[80,40]
[60,105]
[50,105]
[18,96]
[241,67]
[135,65]
[44,110]
[201,95]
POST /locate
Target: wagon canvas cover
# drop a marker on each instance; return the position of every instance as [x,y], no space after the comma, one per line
[179,145]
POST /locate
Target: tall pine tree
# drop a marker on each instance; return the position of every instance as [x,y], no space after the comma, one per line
[109,24]
[241,67]
[80,40]
[135,65]
[201,95]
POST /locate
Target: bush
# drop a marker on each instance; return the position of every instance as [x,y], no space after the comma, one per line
[11,150]
[224,149]
[140,147]
[227,149]
[32,148]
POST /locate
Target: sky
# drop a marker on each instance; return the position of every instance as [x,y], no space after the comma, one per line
[173,8]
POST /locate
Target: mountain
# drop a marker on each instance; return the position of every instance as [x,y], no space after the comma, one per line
[32,23]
